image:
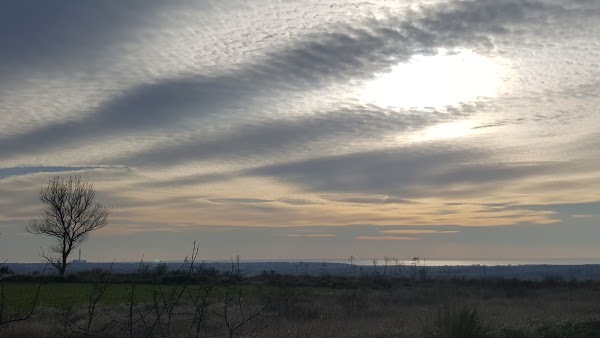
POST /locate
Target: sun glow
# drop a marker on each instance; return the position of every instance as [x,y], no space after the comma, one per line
[436,81]
[446,130]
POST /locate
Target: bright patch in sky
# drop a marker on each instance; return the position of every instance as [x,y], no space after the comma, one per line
[445,79]
[446,130]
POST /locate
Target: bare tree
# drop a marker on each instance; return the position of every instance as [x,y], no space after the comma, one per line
[70,214]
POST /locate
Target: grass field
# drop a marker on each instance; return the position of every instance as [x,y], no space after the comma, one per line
[20,296]
[404,309]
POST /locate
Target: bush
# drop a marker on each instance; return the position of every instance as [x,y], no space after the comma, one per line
[452,323]
[5,270]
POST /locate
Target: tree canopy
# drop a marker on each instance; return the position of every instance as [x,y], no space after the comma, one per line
[70,213]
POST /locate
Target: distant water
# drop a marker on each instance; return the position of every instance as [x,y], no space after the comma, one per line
[458,262]
[504,262]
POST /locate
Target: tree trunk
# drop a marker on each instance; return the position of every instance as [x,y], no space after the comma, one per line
[63,265]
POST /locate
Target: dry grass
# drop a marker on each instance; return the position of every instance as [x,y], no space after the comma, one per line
[405,311]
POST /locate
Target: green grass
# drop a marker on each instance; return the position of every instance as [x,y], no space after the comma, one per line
[20,296]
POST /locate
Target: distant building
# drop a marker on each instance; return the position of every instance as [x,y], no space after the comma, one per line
[79,260]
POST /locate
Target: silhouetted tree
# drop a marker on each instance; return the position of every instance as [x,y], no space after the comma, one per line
[69,215]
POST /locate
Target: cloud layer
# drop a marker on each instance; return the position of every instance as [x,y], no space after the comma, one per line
[189,115]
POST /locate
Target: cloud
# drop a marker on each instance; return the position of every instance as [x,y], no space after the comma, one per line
[171,229]
[311,235]
[145,107]
[59,34]
[239,200]
[19,188]
[409,172]
[296,201]
[189,180]
[583,216]
[53,35]
[373,172]
[385,238]
[196,105]
[418,231]
[577,208]
[16,171]
[366,199]
[334,57]
[286,135]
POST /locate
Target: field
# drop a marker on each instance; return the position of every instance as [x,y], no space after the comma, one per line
[20,296]
[299,306]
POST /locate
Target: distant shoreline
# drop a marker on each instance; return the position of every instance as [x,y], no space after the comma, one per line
[380,261]
[472,271]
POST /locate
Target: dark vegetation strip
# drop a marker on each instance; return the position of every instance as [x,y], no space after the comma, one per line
[193,301]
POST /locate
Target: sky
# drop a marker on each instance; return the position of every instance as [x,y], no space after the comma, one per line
[314,129]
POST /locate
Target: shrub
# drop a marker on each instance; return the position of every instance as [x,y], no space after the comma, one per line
[453,323]
[5,270]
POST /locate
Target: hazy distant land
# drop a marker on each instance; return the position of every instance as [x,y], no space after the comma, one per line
[433,270]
